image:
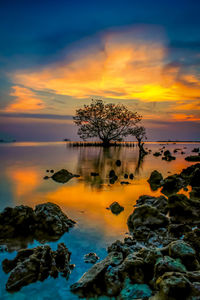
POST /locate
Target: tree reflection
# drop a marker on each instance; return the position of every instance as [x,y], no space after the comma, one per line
[101,161]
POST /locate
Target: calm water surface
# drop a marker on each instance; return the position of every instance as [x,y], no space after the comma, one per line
[84,199]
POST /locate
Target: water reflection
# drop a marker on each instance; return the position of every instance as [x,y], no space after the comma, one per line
[102,160]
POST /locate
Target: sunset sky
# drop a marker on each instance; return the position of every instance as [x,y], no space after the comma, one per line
[56,56]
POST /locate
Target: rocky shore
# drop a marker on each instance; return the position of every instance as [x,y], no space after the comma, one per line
[45,223]
[161,257]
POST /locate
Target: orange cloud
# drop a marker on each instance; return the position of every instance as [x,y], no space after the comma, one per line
[128,65]
[185,117]
[25,100]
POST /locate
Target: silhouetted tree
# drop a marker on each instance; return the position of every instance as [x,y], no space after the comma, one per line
[108,122]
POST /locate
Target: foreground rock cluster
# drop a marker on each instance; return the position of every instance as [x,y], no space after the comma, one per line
[31,265]
[161,257]
[45,222]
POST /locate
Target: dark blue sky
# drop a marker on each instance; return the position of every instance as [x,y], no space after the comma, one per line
[38,34]
[33,32]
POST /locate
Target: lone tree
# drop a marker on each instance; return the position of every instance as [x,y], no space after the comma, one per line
[108,122]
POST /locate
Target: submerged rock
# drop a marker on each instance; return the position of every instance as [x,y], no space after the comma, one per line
[31,265]
[116,208]
[47,221]
[193,158]
[63,176]
[155,180]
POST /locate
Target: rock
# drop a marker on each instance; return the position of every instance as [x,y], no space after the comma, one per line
[183,208]
[146,215]
[157,154]
[186,173]
[193,238]
[193,158]
[133,267]
[159,202]
[112,174]
[168,264]
[167,156]
[116,208]
[131,176]
[172,184]
[182,250]
[195,178]
[124,182]
[31,265]
[91,282]
[47,221]
[47,170]
[52,171]
[118,163]
[195,193]
[51,220]
[125,176]
[46,177]
[63,176]
[94,174]
[135,291]
[174,284]
[91,258]
[196,150]
[155,180]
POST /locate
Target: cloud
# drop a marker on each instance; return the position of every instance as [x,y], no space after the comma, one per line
[25,100]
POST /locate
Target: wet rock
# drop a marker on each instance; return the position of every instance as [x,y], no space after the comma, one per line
[16,221]
[47,221]
[92,282]
[157,154]
[193,158]
[135,291]
[118,163]
[113,283]
[174,284]
[182,208]
[124,182]
[167,156]
[51,220]
[112,174]
[147,215]
[63,176]
[131,176]
[195,178]
[125,176]
[155,180]
[193,239]
[116,208]
[182,250]
[94,174]
[52,171]
[172,184]
[168,264]
[132,267]
[197,150]
[178,230]
[195,193]
[31,265]
[91,258]
[46,177]
[159,202]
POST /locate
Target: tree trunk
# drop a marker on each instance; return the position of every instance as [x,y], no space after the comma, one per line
[106,143]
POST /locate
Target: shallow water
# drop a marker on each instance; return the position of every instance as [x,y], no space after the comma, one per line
[84,199]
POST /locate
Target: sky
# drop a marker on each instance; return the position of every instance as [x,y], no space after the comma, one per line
[55,56]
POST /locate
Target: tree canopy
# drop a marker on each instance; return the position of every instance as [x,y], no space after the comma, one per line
[108,122]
